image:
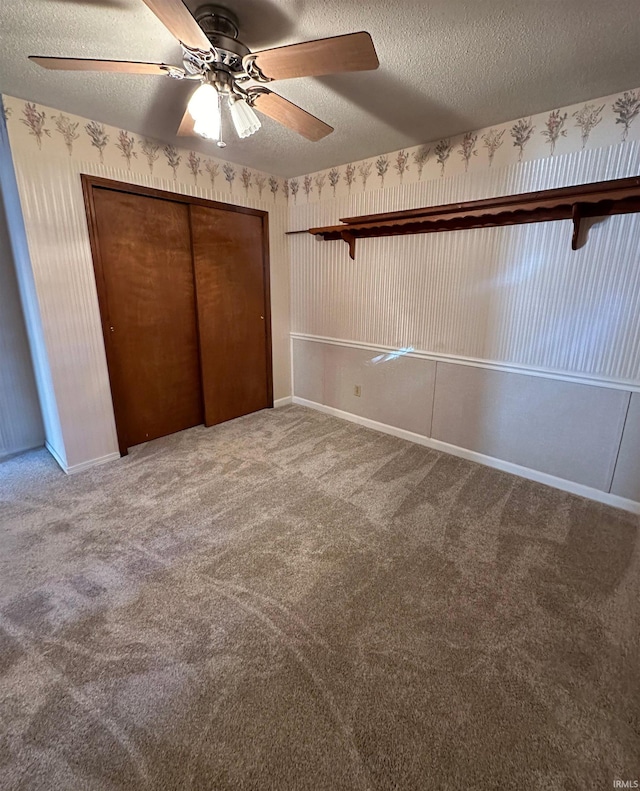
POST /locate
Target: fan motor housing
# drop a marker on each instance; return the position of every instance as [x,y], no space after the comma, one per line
[220,26]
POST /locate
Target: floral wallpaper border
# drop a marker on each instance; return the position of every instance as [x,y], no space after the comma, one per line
[593,124]
[45,129]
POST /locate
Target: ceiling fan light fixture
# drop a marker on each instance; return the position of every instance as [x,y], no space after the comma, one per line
[204,108]
[244,119]
[213,55]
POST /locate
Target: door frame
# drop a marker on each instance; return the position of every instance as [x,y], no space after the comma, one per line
[88,184]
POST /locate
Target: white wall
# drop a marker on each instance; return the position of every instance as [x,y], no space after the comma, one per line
[20,421]
[499,341]
[20,418]
[60,264]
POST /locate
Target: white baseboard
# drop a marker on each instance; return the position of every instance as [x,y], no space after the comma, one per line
[84,465]
[283,401]
[472,455]
[62,464]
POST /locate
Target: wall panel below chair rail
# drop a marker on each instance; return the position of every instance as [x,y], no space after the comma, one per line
[397,391]
[626,480]
[566,431]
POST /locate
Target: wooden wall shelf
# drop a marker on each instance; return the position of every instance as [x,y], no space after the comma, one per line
[599,199]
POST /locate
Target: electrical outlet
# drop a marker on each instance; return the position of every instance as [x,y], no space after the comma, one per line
[357,390]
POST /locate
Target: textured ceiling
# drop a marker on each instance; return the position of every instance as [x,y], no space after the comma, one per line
[447,66]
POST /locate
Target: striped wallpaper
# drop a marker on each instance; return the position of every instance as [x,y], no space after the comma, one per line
[517,295]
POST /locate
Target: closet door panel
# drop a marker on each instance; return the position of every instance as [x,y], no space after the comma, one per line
[148,287]
[232,303]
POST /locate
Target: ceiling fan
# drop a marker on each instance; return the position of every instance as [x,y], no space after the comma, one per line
[226,68]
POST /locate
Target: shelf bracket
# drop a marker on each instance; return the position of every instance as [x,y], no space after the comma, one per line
[576,219]
[350,239]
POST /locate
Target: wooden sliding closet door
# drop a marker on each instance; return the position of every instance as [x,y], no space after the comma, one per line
[148,309]
[230,259]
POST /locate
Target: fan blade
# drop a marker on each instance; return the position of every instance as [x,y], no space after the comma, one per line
[186,126]
[90,64]
[175,16]
[353,52]
[291,116]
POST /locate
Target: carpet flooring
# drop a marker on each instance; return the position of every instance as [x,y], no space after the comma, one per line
[289,602]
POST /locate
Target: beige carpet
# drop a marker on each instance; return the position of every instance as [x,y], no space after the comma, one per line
[291,602]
